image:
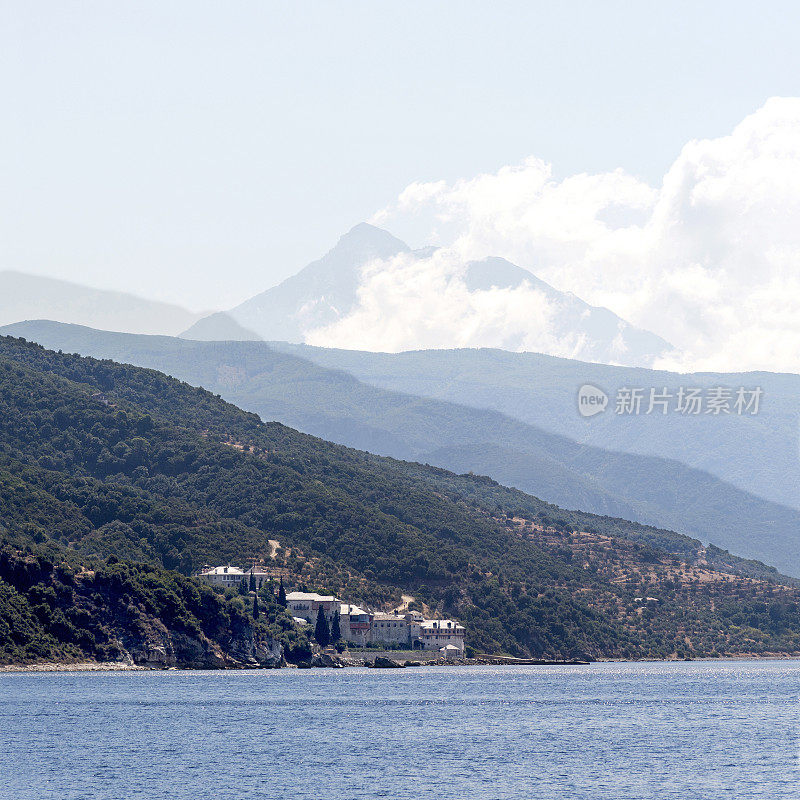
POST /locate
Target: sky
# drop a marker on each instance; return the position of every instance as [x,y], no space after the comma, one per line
[708,259]
[201,152]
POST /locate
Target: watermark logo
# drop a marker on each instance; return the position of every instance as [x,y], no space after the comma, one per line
[686,401]
[591,400]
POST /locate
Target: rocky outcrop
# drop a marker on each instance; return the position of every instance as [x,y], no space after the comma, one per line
[244,649]
[382,662]
[326,660]
[160,648]
[154,657]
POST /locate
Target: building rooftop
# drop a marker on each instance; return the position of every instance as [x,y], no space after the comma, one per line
[441,624]
[311,596]
[222,571]
[353,611]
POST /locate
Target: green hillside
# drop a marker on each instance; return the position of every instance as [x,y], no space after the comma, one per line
[100,460]
[336,406]
[57,607]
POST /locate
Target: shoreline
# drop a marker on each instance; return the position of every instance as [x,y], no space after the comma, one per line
[78,666]
[123,666]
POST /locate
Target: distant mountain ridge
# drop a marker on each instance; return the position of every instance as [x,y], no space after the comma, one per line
[334,405]
[757,453]
[24,296]
[327,291]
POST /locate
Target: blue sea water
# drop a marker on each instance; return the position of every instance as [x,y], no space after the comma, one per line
[623,731]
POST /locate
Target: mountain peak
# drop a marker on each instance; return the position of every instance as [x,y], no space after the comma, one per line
[366,238]
[326,291]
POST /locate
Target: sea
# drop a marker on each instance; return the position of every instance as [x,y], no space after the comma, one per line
[616,731]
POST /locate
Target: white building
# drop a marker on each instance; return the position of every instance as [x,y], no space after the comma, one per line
[450,651]
[231,577]
[228,577]
[412,630]
[308,604]
[438,633]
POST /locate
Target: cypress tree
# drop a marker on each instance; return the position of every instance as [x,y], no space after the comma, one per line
[243,586]
[282,595]
[252,581]
[336,632]
[256,610]
[321,632]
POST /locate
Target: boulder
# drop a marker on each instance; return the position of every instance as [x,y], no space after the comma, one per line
[381,662]
[325,660]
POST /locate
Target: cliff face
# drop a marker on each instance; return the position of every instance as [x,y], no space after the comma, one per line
[124,612]
[160,648]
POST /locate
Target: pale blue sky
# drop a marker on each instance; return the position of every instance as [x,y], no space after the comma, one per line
[199,152]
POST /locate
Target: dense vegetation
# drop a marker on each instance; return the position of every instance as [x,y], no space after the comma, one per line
[53,608]
[333,404]
[99,459]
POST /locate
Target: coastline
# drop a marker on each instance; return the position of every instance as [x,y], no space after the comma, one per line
[123,666]
[78,666]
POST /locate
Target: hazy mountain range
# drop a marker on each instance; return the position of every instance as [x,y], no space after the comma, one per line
[336,405]
[327,291]
[755,452]
[25,296]
[729,479]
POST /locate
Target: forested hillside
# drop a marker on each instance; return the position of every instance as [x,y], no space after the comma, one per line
[102,460]
[334,405]
[58,607]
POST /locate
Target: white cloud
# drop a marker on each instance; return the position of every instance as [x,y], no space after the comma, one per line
[710,260]
[411,303]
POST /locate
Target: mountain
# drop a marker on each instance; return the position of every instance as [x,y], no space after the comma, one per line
[757,453]
[103,464]
[327,291]
[603,336]
[335,405]
[35,297]
[321,293]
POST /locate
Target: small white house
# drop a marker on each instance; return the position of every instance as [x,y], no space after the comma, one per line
[450,651]
[228,577]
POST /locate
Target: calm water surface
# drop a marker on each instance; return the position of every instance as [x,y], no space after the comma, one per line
[683,730]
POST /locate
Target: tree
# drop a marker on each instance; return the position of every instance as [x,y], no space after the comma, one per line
[256,610]
[243,586]
[336,632]
[321,632]
[252,581]
[281,595]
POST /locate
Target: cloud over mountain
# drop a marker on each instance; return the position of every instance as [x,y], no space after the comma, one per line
[708,260]
[438,300]
[371,291]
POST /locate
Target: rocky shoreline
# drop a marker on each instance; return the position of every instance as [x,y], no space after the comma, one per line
[328,661]
[81,666]
[319,661]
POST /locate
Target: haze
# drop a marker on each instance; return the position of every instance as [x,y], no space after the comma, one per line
[198,154]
